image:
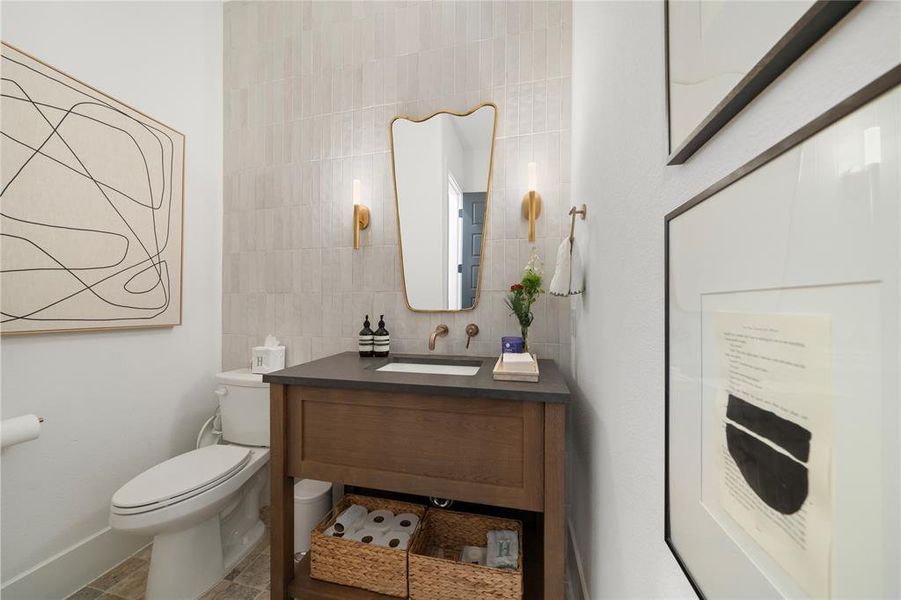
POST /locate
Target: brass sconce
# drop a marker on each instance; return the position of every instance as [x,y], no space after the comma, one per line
[531,202]
[361,215]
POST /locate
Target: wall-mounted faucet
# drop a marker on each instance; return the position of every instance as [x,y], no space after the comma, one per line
[472,330]
[441,330]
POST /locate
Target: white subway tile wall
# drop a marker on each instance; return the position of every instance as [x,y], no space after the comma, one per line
[310,90]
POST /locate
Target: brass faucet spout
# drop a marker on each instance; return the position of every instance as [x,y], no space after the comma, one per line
[441,330]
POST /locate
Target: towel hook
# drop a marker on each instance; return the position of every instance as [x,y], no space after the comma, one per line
[583,212]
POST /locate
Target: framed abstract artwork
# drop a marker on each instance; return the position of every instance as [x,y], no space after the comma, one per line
[92,197]
[783,340]
[721,55]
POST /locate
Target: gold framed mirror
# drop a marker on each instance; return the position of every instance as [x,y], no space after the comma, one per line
[442,168]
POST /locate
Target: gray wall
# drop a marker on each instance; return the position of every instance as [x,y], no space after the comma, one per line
[310,89]
[619,150]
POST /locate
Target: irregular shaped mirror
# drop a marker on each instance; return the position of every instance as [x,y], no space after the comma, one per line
[442,180]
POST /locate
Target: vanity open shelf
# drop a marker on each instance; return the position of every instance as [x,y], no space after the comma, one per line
[472,439]
[304,586]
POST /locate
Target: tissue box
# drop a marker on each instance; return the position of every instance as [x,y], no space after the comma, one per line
[266,359]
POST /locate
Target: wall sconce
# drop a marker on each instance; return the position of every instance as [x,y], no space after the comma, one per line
[531,202]
[361,215]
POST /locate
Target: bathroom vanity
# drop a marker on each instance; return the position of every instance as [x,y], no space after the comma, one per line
[407,429]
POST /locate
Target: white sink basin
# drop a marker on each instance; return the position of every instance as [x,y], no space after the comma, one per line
[429,368]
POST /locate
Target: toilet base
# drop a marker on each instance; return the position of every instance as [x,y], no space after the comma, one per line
[198,540]
[185,564]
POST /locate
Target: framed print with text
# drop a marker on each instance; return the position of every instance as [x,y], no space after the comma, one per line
[783,340]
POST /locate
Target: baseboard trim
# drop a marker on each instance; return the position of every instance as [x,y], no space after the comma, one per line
[73,568]
[577,585]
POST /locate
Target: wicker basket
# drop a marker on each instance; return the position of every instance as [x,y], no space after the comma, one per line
[374,568]
[434,578]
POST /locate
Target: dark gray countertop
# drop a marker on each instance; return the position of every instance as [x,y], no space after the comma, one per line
[348,370]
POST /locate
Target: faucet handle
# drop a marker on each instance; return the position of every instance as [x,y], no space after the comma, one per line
[472,330]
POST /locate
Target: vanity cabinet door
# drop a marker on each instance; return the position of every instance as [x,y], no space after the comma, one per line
[469,449]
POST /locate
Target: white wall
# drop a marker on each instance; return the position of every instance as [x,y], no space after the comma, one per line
[618,167]
[116,403]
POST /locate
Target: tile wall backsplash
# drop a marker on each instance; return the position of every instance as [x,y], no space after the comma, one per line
[310,88]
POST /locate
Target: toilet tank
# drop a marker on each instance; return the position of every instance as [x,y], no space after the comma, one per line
[244,407]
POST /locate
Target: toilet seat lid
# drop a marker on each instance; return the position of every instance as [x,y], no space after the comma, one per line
[182,475]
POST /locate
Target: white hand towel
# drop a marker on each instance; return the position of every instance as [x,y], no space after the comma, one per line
[567,279]
[577,276]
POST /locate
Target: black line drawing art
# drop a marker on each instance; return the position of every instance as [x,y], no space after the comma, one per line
[90,206]
[778,479]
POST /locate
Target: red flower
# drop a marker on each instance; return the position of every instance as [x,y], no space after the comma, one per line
[515,287]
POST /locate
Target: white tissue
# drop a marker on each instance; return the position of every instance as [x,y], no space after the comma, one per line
[397,540]
[19,429]
[268,357]
[405,522]
[330,532]
[368,536]
[519,362]
[351,519]
[517,357]
[380,520]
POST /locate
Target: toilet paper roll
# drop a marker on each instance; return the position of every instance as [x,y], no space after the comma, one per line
[19,429]
[351,519]
[405,522]
[330,532]
[380,520]
[397,540]
[366,535]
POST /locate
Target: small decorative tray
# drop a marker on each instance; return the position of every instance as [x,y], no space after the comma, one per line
[526,372]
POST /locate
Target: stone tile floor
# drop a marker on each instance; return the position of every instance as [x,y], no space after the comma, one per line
[249,580]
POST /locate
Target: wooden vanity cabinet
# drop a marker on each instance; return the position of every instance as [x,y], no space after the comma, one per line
[498,452]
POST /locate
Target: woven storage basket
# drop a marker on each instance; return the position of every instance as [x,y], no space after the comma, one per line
[445,579]
[374,568]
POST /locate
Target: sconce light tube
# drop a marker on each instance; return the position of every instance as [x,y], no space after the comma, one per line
[361,214]
[531,202]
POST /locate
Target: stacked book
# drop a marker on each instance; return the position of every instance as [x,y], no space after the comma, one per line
[516,367]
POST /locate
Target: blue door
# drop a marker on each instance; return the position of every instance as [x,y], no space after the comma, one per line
[473,224]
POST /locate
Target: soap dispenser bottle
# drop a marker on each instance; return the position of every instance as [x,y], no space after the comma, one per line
[381,339]
[366,339]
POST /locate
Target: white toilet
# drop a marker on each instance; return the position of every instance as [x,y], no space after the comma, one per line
[202,507]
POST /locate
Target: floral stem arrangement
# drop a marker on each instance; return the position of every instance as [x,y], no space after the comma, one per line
[524,294]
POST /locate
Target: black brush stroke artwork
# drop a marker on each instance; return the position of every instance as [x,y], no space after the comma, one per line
[786,434]
[777,479]
[140,253]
